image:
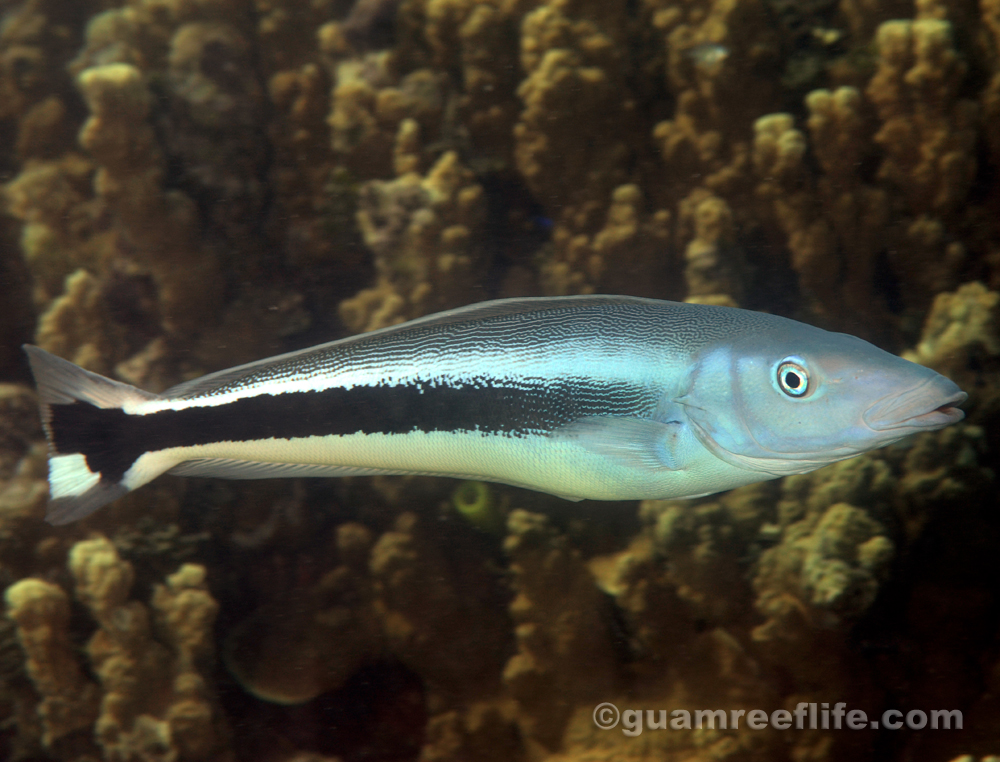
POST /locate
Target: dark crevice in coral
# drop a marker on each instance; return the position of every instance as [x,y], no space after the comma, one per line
[805,57]
[985,182]
[132,302]
[272,256]
[17,318]
[371,24]
[515,227]
[620,634]
[773,284]
[887,284]
[870,160]
[646,62]
[940,606]
[9,161]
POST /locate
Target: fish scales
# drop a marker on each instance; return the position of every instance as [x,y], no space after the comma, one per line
[583,397]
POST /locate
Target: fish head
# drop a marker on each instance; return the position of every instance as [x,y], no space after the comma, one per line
[794,398]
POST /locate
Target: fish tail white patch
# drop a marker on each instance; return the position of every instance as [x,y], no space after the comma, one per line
[75,491]
[81,412]
[70,476]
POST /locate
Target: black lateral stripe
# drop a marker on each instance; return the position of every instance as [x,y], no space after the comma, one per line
[112,440]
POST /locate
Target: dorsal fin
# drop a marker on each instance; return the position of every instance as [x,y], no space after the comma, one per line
[478,311]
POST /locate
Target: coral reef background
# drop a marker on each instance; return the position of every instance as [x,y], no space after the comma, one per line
[191,184]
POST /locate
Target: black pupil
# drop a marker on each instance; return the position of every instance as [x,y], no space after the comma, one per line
[792,380]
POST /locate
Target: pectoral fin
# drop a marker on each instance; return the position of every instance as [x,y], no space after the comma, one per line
[632,442]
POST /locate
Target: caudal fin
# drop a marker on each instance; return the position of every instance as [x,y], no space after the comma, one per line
[87,429]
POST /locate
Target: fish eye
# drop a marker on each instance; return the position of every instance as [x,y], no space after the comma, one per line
[793,379]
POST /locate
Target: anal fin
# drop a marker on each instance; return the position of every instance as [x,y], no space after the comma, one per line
[224,468]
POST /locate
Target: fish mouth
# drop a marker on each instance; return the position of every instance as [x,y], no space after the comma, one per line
[932,405]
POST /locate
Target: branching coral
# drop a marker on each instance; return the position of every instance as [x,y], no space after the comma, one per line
[484,732]
[157,227]
[151,701]
[927,135]
[423,232]
[778,153]
[153,234]
[572,65]
[701,545]
[77,324]
[564,653]
[855,212]
[69,701]
[578,169]
[370,101]
[155,703]
[705,142]
[961,325]
[715,269]
[170,107]
[212,127]
[225,174]
[61,229]
[991,93]
[839,558]
[836,224]
[927,132]
[36,41]
[479,40]
[837,543]
[631,248]
[18,426]
[434,616]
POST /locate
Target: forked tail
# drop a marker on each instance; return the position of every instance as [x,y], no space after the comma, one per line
[89,434]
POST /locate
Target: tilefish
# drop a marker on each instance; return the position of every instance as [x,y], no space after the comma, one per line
[599,397]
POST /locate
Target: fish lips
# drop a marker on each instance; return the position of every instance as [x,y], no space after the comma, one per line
[931,405]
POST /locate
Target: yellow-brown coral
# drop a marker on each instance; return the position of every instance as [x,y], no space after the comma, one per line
[154,700]
[68,699]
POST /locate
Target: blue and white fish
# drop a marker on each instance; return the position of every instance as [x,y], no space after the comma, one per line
[601,397]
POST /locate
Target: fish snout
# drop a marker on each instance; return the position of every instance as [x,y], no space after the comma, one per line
[930,405]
